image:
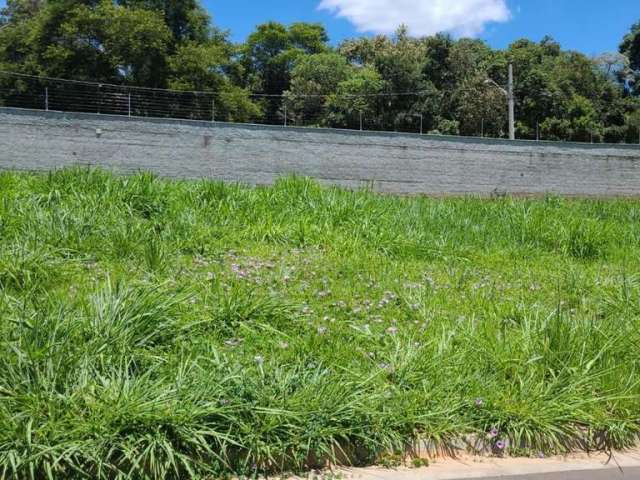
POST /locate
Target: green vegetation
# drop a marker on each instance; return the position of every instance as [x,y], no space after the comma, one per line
[158,329]
[390,81]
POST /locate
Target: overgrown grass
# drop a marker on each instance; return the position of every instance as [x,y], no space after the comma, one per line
[156,329]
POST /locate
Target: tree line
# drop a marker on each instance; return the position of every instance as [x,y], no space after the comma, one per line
[390,81]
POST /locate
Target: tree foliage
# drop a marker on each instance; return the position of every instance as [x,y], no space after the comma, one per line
[630,47]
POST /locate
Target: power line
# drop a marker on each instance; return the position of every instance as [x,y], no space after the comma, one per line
[213,93]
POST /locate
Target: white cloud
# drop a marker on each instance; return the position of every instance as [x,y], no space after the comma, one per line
[422,17]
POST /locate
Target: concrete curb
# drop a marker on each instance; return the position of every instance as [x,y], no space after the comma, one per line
[576,467]
[602,474]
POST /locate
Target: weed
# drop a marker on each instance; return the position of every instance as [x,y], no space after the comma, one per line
[176,329]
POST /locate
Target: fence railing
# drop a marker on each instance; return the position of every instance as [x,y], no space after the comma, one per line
[25,91]
[399,112]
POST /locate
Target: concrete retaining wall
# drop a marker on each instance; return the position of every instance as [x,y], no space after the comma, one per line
[389,162]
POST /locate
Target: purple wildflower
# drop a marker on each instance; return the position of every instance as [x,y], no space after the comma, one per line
[493,433]
[387,367]
[479,402]
[500,444]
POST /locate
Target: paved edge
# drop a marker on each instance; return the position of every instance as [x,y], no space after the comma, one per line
[632,473]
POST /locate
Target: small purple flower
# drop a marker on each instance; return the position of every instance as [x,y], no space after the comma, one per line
[386,367]
[479,402]
[493,433]
[500,444]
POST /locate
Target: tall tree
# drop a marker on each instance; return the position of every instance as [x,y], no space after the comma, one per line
[270,52]
[85,40]
[269,56]
[186,19]
[205,67]
[630,47]
[314,78]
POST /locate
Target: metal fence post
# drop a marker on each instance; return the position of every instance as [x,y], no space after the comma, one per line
[361,120]
[129,105]
[482,128]
[213,110]
[285,114]
[46,98]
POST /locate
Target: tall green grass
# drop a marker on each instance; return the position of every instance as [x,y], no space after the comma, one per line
[157,329]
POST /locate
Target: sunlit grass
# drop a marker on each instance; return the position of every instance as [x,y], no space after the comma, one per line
[158,329]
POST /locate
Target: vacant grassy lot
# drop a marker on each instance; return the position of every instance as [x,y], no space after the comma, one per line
[156,329]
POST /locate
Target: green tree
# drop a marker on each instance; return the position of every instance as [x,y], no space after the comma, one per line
[479,108]
[356,96]
[204,67]
[268,57]
[633,122]
[630,47]
[399,61]
[186,19]
[270,53]
[96,41]
[314,78]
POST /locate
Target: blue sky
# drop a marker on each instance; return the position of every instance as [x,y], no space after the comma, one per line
[591,26]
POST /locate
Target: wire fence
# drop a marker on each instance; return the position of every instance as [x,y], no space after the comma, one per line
[400,112]
[42,93]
